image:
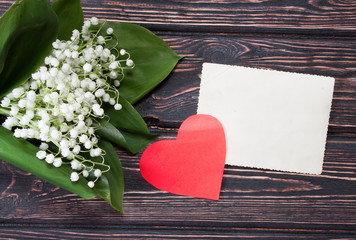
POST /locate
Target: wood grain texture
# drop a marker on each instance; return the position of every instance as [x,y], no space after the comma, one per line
[286,16]
[170,233]
[312,37]
[313,16]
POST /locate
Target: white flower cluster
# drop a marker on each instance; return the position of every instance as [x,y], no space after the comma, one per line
[62,99]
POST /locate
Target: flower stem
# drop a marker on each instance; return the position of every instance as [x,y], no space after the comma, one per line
[4,111]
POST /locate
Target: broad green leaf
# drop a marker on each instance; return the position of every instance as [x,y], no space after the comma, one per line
[114,177]
[111,133]
[133,142]
[70,15]
[28,29]
[126,128]
[22,154]
[153,59]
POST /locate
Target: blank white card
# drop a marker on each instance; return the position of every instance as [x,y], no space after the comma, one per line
[272,120]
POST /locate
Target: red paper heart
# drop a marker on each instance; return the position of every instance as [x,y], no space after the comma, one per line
[193,164]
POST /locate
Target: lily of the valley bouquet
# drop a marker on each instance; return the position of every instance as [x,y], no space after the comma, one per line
[67,87]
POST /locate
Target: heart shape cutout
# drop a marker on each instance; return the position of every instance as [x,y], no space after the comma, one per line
[193,164]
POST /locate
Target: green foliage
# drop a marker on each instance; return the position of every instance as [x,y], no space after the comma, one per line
[126,128]
[22,154]
[115,178]
[28,29]
[70,15]
[153,59]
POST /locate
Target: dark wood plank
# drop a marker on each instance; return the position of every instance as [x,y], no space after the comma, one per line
[169,233]
[321,17]
[304,17]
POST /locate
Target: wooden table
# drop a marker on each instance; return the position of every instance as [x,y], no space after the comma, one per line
[317,37]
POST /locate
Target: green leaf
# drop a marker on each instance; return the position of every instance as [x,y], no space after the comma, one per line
[153,59]
[125,128]
[28,29]
[114,177]
[70,15]
[22,154]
